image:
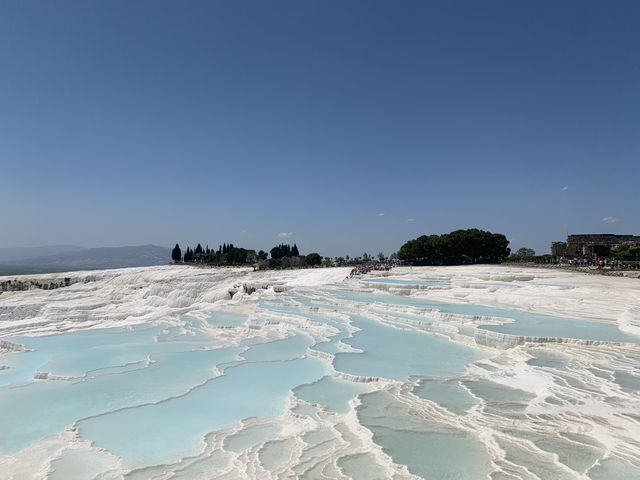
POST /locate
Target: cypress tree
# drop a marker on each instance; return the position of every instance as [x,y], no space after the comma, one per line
[176,254]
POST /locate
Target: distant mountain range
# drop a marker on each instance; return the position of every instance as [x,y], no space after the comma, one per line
[62,258]
[21,253]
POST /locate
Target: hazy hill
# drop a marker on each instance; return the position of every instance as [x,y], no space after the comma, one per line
[89,259]
[21,253]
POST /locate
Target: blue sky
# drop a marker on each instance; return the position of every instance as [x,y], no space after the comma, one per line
[342,126]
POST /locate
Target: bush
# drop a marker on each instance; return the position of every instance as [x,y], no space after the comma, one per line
[275,263]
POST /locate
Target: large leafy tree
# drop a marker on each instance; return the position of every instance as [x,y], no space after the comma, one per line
[457,247]
[313,259]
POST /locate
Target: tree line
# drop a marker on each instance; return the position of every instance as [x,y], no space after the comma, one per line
[627,251]
[284,250]
[283,255]
[456,248]
[227,253]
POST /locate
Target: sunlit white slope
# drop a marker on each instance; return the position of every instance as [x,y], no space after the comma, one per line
[109,298]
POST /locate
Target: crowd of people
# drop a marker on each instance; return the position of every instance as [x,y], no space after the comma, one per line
[601,263]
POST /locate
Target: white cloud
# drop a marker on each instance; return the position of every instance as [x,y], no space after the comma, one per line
[411,219]
[285,234]
[243,231]
[609,220]
[564,189]
[381,214]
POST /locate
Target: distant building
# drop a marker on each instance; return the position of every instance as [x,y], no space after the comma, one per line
[586,245]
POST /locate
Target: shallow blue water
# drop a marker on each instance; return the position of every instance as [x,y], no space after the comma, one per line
[73,354]
[303,306]
[543,326]
[224,318]
[34,410]
[429,451]
[446,393]
[402,281]
[393,353]
[172,429]
[526,323]
[289,348]
[331,392]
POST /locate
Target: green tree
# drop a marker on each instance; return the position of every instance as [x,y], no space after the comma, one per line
[457,247]
[313,259]
[237,255]
[627,251]
[275,263]
[525,253]
[176,254]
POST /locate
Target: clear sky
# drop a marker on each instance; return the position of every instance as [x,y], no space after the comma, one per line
[342,126]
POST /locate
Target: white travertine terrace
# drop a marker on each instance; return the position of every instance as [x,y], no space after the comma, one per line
[572,410]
